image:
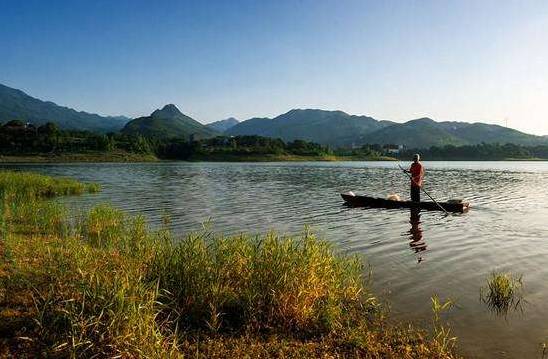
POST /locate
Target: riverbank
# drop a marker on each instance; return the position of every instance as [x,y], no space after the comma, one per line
[129,157]
[92,156]
[285,158]
[101,283]
[123,157]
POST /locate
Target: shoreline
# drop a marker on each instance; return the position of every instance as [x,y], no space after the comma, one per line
[126,157]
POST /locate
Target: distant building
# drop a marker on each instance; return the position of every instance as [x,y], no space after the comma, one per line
[393,149]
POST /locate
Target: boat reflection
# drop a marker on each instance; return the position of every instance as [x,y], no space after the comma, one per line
[416,243]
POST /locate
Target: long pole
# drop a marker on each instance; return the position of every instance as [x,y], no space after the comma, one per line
[426,193]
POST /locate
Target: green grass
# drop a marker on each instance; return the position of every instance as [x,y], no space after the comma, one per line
[109,286]
[33,185]
[503,292]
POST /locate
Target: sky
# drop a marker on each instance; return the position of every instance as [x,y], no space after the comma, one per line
[465,60]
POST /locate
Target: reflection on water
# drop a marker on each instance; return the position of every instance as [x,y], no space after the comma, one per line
[416,242]
[413,255]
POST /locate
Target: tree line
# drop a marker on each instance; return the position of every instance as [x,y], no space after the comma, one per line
[483,151]
[19,138]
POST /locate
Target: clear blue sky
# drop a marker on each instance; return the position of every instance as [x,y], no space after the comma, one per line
[476,60]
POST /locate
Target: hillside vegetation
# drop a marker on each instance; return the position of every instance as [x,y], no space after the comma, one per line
[168,122]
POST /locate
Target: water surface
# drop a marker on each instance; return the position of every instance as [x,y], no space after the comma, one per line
[412,257]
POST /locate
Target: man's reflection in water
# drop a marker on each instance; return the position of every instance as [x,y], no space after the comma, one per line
[415,234]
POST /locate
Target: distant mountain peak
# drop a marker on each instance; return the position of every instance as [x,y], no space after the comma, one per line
[170,107]
[314,111]
[423,119]
[168,122]
[334,128]
[168,111]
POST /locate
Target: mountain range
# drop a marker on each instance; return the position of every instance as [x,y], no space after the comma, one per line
[168,122]
[333,128]
[17,105]
[337,128]
[425,132]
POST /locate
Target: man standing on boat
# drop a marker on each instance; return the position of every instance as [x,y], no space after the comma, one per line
[417,174]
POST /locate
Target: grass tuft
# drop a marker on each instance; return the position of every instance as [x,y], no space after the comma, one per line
[503,292]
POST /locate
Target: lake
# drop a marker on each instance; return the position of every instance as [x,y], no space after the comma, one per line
[411,258]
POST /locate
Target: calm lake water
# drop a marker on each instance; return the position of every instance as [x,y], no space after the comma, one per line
[506,229]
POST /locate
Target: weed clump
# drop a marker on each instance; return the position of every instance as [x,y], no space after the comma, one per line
[503,292]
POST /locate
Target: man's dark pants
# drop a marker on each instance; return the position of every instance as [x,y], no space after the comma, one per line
[415,194]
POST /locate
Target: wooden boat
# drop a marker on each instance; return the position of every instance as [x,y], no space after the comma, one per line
[374,202]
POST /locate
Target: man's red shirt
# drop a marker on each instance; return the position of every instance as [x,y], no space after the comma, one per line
[417,173]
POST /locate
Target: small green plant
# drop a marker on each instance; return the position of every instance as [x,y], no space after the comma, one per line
[503,292]
[442,333]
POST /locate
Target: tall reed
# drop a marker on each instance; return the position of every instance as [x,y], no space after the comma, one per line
[266,282]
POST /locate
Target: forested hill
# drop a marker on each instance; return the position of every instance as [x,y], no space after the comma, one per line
[425,132]
[339,129]
[335,128]
[17,105]
[168,122]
